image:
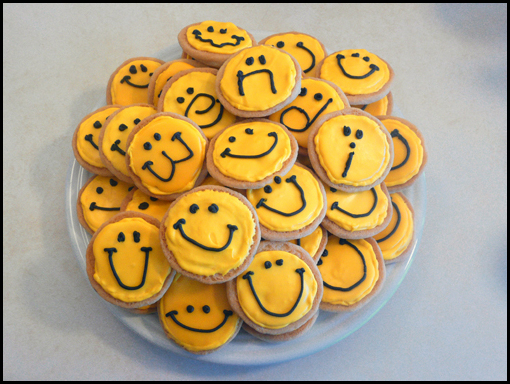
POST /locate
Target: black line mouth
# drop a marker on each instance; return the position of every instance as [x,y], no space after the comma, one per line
[93,206]
[198,36]
[226,312]
[353,215]
[115,147]
[302,46]
[373,68]
[126,79]
[146,250]
[231,228]
[292,180]
[308,122]
[213,103]
[90,139]
[226,152]
[396,133]
[241,76]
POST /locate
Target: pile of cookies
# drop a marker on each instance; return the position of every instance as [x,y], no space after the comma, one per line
[246,185]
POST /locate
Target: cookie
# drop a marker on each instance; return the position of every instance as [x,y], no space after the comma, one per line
[410,153]
[314,243]
[125,263]
[146,309]
[307,50]
[363,76]
[192,93]
[130,81]
[166,155]
[210,234]
[350,150]
[85,140]
[258,81]
[280,291]
[113,137]
[397,240]
[197,316]
[137,201]
[290,207]
[213,42]
[357,215]
[250,153]
[379,107]
[353,273]
[99,200]
[317,98]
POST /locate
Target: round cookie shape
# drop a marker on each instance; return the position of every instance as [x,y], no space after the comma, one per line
[307,50]
[99,200]
[138,201]
[192,93]
[86,137]
[166,155]
[258,81]
[125,263]
[396,241]
[213,42]
[317,98]
[314,243]
[382,107]
[210,234]
[279,292]
[114,135]
[197,316]
[130,81]
[357,215]
[248,154]
[410,155]
[350,150]
[353,272]
[290,207]
[363,76]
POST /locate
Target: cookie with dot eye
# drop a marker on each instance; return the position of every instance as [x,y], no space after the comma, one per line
[125,263]
[363,76]
[137,201]
[307,50]
[129,83]
[279,292]
[99,200]
[350,150]
[192,93]
[314,243]
[383,107]
[258,81]
[213,42]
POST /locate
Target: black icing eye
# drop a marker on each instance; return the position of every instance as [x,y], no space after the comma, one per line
[122,127]
[249,131]
[190,308]
[97,125]
[366,58]
[113,183]
[347,130]
[355,55]
[325,253]
[262,59]
[99,190]
[319,262]
[153,198]
[279,262]
[213,208]
[303,92]
[268,264]
[194,208]
[332,189]
[147,146]
[190,90]
[150,74]
[359,134]
[132,69]
[210,29]
[130,188]
[223,31]
[268,189]
[157,136]
[250,61]
[231,139]
[180,100]
[136,236]
[280,44]
[318,96]
[143,68]
[277,179]
[206,309]
[136,121]
[352,145]
[143,206]
[121,237]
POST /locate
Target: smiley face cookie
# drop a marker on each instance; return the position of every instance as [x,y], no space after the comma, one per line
[279,292]
[192,93]
[383,107]
[197,316]
[166,155]
[213,42]
[210,234]
[353,272]
[249,154]
[138,201]
[314,243]
[290,207]
[363,76]
[99,200]
[86,137]
[350,150]
[258,81]
[130,81]
[317,98]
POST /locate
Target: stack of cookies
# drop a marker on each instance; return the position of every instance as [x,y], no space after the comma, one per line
[246,185]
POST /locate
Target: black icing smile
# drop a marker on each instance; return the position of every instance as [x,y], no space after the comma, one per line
[93,206]
[146,250]
[231,228]
[396,133]
[126,79]
[198,36]
[308,121]
[213,103]
[353,215]
[226,152]
[373,68]
[292,180]
[226,312]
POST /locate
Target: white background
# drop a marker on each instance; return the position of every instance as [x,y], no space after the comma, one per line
[448,319]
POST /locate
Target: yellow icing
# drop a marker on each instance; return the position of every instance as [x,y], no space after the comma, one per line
[210,229]
[412,166]
[110,197]
[218,38]
[371,154]
[258,95]
[112,133]
[130,260]
[277,288]
[377,108]
[186,172]
[311,242]
[85,148]
[357,203]
[253,169]
[286,197]
[401,238]
[355,66]
[210,181]
[184,292]
[124,94]
[343,267]
[172,69]
[198,83]
[156,209]
[295,119]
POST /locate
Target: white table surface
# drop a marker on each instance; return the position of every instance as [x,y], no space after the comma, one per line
[448,319]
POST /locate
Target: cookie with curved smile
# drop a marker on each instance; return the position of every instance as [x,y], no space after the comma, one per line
[138,201]
[130,81]
[125,262]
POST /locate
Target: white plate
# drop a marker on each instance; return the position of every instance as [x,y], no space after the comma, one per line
[329,328]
